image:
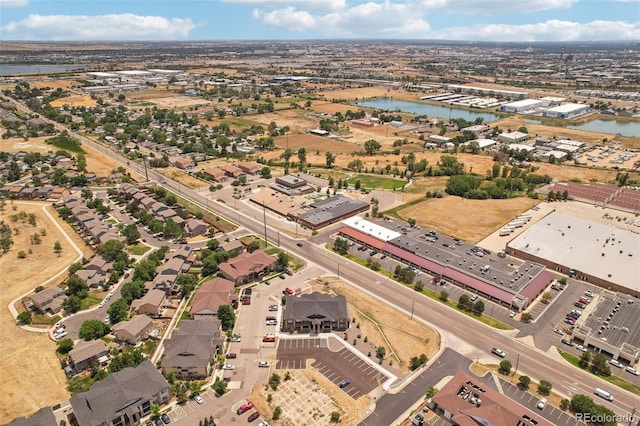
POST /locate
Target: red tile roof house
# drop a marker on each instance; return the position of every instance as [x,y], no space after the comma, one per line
[250,167]
[216,173]
[210,296]
[184,163]
[151,303]
[232,171]
[248,267]
[134,330]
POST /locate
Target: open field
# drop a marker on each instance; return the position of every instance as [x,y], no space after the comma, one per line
[314,143]
[57,84]
[470,220]
[75,101]
[32,355]
[516,122]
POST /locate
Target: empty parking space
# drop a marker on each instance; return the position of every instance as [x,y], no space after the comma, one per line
[335,366]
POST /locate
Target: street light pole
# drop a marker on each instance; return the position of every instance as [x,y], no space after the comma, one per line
[413,302]
[517,363]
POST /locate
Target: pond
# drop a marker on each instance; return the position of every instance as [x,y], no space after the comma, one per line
[429,110]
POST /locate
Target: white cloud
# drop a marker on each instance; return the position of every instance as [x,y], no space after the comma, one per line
[316,5]
[365,20]
[125,26]
[553,30]
[13,3]
[495,7]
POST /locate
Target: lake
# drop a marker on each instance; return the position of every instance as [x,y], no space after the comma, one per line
[427,109]
[34,69]
[624,128]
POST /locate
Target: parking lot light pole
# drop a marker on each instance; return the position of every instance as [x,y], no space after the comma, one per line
[517,363]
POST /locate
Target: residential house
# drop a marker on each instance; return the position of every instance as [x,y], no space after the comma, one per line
[248,267]
[184,163]
[122,398]
[42,417]
[192,349]
[134,330]
[63,162]
[216,173]
[233,245]
[183,252]
[250,167]
[232,171]
[93,278]
[49,300]
[99,264]
[212,294]
[196,227]
[151,303]
[84,354]
[168,274]
[315,313]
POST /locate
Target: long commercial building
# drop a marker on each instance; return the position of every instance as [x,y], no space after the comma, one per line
[566,110]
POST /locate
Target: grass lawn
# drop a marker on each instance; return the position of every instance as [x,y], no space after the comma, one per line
[375,182]
[138,250]
[215,220]
[89,302]
[614,380]
[239,122]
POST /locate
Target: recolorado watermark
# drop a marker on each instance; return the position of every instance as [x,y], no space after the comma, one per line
[605,418]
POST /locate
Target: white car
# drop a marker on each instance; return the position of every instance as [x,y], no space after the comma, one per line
[616,363]
[198,399]
[558,331]
[101,304]
[512,314]
[581,348]
[633,371]
[263,423]
[588,294]
[498,352]
[264,364]
[542,403]
[228,367]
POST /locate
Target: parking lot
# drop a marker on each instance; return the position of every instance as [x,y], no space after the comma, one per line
[334,365]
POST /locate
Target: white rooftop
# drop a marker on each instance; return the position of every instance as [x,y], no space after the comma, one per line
[483,143]
[599,250]
[524,103]
[134,72]
[103,74]
[521,146]
[568,107]
[370,228]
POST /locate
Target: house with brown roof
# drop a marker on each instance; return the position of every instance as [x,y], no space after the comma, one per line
[196,227]
[92,277]
[184,163]
[248,267]
[49,300]
[124,397]
[151,303]
[467,401]
[250,167]
[192,349]
[99,264]
[232,171]
[216,174]
[233,245]
[42,417]
[84,354]
[315,313]
[134,330]
[209,297]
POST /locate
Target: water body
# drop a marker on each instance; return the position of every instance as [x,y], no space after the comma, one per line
[445,112]
[624,128]
[34,69]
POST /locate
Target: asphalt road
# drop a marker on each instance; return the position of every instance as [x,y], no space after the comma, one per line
[391,406]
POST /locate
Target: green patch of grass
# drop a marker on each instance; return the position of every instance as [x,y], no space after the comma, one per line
[375,182]
[149,346]
[66,143]
[239,122]
[614,380]
[215,220]
[39,319]
[89,302]
[394,211]
[138,250]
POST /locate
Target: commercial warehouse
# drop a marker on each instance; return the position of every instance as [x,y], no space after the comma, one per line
[522,106]
[589,251]
[566,110]
[331,210]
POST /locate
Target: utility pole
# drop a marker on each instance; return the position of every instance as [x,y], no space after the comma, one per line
[517,363]
[413,302]
[146,174]
[264,219]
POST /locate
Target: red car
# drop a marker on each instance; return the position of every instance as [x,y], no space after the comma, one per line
[245,407]
[288,290]
[246,302]
[269,338]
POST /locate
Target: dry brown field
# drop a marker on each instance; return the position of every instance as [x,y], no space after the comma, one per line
[469,220]
[314,143]
[515,122]
[211,70]
[75,101]
[53,84]
[148,95]
[31,374]
[180,176]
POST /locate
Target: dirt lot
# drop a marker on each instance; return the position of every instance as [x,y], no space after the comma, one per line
[470,220]
[515,123]
[75,101]
[313,143]
[32,355]
[379,322]
[64,84]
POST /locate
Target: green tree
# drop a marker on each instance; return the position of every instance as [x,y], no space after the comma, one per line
[464,302]
[219,387]
[381,351]
[505,367]
[585,359]
[132,290]
[444,296]
[302,158]
[65,346]
[226,316]
[431,392]
[76,286]
[92,329]
[118,311]
[478,307]
[544,387]
[274,381]
[5,236]
[277,412]
[525,381]
[187,283]
[282,261]
[131,233]
[600,366]
[24,317]
[330,159]
[72,304]
[172,229]
[341,246]
[57,248]
[253,246]
[335,417]
[371,146]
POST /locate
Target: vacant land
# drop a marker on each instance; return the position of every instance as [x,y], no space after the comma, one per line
[75,101]
[550,132]
[470,220]
[32,355]
[314,143]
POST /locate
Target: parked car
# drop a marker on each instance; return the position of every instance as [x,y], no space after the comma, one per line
[288,291]
[166,419]
[299,244]
[232,355]
[616,363]
[498,352]
[343,384]
[567,342]
[228,367]
[198,399]
[244,407]
[632,370]
[253,416]
[269,337]
[264,364]
[273,308]
[474,298]
[581,348]
[558,331]
[512,314]
[588,294]
[542,403]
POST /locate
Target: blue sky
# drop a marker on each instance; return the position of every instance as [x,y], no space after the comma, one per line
[477,20]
